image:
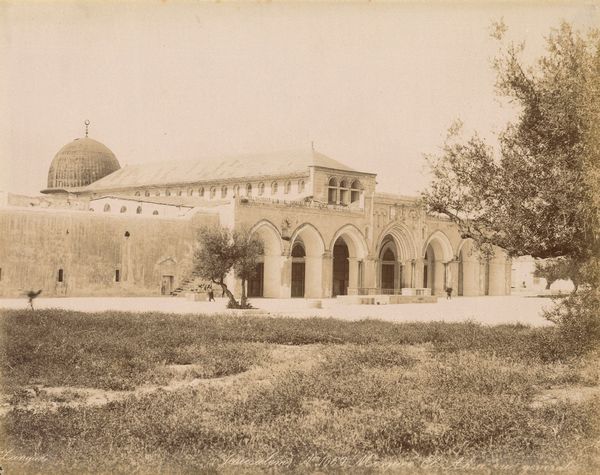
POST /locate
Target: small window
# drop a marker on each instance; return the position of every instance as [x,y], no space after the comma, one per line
[167,192]
[224,192]
[249,189]
[236,191]
[146,193]
[261,189]
[138,210]
[213,192]
[201,191]
[106,208]
[155,212]
[117,275]
[190,192]
[123,209]
[179,192]
[274,188]
[287,187]
[300,186]
[61,275]
[137,193]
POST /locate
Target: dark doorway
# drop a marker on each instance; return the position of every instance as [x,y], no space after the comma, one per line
[298,270]
[388,271]
[255,284]
[341,268]
[166,285]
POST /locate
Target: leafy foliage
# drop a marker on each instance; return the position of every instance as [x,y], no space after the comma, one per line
[558,269]
[221,250]
[539,194]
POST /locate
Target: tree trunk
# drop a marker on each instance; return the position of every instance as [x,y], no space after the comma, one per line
[243,298]
[233,303]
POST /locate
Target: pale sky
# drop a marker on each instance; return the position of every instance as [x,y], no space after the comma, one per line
[374,85]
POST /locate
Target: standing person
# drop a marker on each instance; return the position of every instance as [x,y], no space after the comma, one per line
[211,295]
[448,293]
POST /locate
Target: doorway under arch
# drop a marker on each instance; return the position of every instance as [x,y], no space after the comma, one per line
[341,268]
[298,269]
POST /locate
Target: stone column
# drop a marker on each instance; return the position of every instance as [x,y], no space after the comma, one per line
[370,278]
[419,270]
[327,274]
[286,277]
[453,276]
[353,283]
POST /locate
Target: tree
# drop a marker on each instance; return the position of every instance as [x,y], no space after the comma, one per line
[220,250]
[248,249]
[559,268]
[538,193]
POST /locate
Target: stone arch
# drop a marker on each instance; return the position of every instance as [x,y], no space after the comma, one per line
[348,265]
[402,236]
[267,281]
[314,246]
[437,255]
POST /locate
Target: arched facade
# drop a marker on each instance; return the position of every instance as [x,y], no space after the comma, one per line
[267,281]
[437,255]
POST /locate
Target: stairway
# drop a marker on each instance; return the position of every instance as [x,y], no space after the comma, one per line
[194,283]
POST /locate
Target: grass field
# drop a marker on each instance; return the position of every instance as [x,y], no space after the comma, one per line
[159,393]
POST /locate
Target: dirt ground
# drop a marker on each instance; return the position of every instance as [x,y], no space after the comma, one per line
[488,310]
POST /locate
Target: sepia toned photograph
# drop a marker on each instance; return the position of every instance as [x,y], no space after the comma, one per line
[299,237]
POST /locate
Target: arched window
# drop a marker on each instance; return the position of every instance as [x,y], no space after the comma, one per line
[106,208]
[201,191]
[138,210]
[223,192]
[137,193]
[236,190]
[213,192]
[249,189]
[123,209]
[146,193]
[274,187]
[332,191]
[157,193]
[167,192]
[179,192]
[355,191]
[344,192]
[287,187]
[388,255]
[190,192]
[61,275]
[300,186]
[155,212]
[261,189]
[298,250]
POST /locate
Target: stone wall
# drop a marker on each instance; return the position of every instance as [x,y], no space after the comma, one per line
[36,244]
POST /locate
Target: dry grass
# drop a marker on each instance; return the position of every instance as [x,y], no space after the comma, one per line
[235,395]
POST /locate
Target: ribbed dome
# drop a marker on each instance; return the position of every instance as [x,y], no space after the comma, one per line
[81,162]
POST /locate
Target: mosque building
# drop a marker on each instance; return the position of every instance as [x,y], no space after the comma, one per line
[102,229]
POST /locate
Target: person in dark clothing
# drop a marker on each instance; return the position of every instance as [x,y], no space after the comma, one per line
[448,293]
[211,295]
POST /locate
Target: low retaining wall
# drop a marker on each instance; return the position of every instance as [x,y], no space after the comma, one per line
[384,299]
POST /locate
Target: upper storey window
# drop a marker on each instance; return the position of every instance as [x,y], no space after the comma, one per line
[106,208]
[213,192]
[236,190]
[274,188]
[223,192]
[355,191]
[261,189]
[332,191]
[201,192]
[344,192]
[249,189]
[300,186]
[287,187]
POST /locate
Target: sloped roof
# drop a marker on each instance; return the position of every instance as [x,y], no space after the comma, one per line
[217,169]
